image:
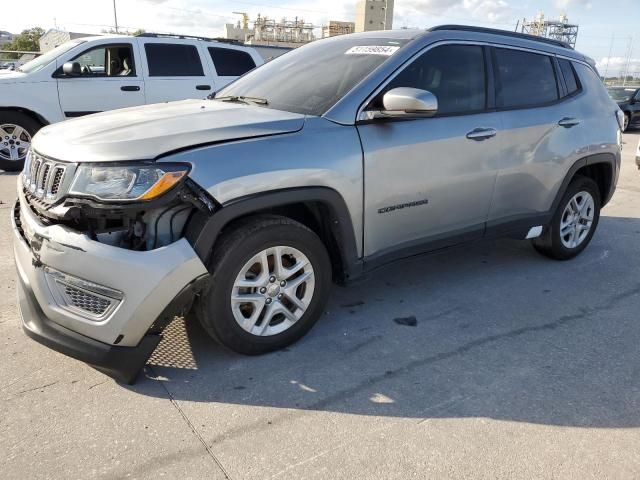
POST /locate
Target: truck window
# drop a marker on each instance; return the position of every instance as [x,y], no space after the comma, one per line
[173,60]
[231,63]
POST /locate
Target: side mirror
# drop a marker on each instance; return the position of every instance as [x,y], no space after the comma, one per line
[410,103]
[72,69]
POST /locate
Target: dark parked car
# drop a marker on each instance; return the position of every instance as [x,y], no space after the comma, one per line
[628,99]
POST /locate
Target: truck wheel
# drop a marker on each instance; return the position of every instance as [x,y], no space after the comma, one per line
[270,281]
[16,131]
[574,223]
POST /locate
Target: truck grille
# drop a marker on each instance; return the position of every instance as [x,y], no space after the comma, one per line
[44,179]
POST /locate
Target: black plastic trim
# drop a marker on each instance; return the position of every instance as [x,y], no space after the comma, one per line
[120,363]
[202,233]
[80,113]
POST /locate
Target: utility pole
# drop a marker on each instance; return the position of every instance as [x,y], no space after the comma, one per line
[115,15]
[606,69]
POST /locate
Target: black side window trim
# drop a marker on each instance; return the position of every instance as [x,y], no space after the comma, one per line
[566,93]
[559,87]
[58,72]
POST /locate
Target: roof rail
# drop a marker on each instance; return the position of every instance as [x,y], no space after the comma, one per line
[190,37]
[504,33]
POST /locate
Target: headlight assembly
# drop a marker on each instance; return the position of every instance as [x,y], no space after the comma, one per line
[126,182]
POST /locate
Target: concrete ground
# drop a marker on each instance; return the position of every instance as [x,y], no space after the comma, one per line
[518,367]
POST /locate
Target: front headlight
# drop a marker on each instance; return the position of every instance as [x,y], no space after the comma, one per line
[126,183]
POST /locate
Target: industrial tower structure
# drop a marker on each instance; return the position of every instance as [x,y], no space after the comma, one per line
[556,29]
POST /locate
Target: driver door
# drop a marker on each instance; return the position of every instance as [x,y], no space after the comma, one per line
[109,78]
[429,181]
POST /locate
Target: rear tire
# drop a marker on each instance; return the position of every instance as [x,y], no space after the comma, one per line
[16,131]
[244,308]
[574,222]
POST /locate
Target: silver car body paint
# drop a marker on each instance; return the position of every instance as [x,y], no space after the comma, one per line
[144,133]
[149,280]
[453,184]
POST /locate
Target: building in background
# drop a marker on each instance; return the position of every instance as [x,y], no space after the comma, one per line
[374,15]
[52,38]
[268,31]
[335,28]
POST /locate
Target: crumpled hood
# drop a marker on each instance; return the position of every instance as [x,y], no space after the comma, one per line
[144,133]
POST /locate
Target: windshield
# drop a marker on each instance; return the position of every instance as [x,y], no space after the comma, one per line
[45,59]
[621,94]
[311,79]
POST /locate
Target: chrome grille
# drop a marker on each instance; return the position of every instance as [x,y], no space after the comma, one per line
[45,179]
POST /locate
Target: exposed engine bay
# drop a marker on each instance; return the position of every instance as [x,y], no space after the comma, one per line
[132,226]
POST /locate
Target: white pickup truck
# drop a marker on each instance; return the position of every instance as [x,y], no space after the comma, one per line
[95,74]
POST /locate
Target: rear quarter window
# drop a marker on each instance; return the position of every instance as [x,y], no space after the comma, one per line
[569,76]
[524,79]
[231,63]
[173,60]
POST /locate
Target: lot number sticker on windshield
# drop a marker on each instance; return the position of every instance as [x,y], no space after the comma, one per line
[372,50]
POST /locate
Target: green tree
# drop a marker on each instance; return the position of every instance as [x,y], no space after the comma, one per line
[27,41]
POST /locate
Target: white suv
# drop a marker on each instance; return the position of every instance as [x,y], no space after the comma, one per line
[94,74]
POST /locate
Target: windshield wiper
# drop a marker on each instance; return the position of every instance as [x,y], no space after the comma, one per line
[243,99]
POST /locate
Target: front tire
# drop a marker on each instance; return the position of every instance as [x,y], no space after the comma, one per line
[270,282]
[627,121]
[574,223]
[16,131]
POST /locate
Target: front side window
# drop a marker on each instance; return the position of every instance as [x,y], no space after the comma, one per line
[455,74]
[42,61]
[231,63]
[173,60]
[524,79]
[105,61]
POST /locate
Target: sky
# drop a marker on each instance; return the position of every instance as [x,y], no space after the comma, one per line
[608,28]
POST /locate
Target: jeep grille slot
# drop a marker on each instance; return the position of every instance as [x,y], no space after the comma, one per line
[44,178]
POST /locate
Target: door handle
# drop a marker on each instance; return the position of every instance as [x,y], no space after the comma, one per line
[569,122]
[130,88]
[203,87]
[480,134]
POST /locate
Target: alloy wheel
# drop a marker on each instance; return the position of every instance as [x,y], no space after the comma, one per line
[14,142]
[577,220]
[272,291]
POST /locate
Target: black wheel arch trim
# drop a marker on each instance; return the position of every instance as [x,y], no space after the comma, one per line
[598,158]
[203,231]
[33,114]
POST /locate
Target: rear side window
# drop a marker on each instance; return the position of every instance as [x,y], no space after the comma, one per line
[453,73]
[524,79]
[173,60]
[569,75]
[231,63]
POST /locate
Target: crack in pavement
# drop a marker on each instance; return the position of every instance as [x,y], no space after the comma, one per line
[194,430]
[408,368]
[32,389]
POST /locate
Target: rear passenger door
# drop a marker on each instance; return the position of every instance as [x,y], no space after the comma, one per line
[229,63]
[539,99]
[174,71]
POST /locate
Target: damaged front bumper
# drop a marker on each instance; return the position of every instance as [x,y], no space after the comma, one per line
[95,302]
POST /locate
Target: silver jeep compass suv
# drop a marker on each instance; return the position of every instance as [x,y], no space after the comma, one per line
[319,166]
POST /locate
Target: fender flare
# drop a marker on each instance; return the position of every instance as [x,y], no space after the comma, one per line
[597,158]
[203,231]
